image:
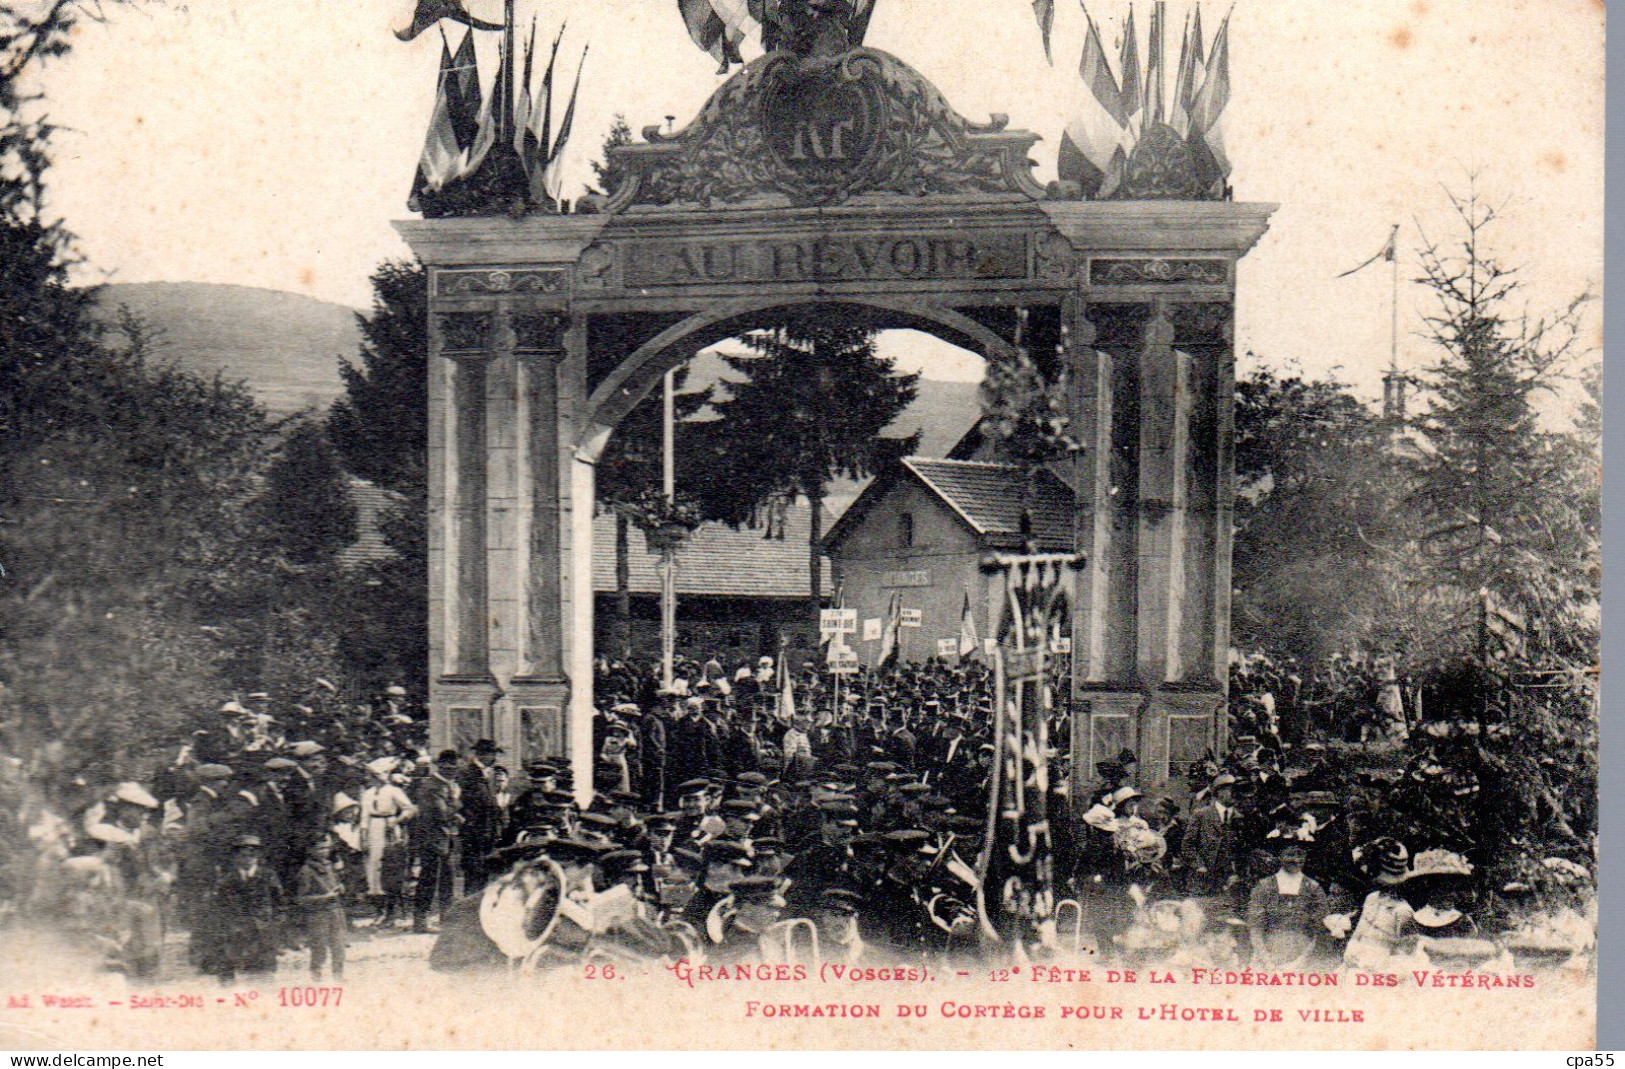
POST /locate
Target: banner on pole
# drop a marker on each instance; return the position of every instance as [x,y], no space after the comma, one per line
[911,618]
[843,663]
[837,622]
[947,647]
[871,630]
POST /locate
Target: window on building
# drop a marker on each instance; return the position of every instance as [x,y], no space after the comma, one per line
[905,530]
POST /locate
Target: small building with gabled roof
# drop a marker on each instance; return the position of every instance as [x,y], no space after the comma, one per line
[920,532]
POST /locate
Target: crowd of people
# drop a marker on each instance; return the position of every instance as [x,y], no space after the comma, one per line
[723,805]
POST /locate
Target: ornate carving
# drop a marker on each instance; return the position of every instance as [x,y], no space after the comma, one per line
[538,332]
[1202,324]
[462,333]
[483,281]
[596,268]
[1163,166]
[1150,272]
[1054,258]
[820,131]
[1118,326]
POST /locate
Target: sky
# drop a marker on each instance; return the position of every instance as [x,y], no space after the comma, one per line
[271,142]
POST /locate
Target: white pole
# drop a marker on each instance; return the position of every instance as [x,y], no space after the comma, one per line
[582,477]
[668,557]
[1393,312]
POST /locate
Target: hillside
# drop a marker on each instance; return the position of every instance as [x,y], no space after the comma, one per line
[285,346]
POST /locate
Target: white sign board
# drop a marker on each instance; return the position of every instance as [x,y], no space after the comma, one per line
[1062,644]
[947,647]
[838,622]
[911,618]
[871,630]
[845,663]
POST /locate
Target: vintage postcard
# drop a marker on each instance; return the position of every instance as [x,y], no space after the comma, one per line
[799,524]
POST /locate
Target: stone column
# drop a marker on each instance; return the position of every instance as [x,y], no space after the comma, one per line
[540,690]
[465,339]
[461,684]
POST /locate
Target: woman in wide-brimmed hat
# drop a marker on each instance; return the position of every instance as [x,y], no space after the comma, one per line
[1386,917]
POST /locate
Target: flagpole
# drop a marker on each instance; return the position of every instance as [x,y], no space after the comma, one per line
[1393,306]
[668,555]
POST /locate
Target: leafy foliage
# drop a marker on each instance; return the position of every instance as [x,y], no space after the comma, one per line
[1316,485]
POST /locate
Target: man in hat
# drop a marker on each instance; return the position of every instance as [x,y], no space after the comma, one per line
[434,837]
[827,863]
[247,900]
[1210,841]
[482,821]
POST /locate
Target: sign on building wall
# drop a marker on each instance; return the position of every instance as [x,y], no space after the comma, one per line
[922,577]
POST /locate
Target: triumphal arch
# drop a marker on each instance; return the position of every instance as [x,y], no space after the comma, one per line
[841,180]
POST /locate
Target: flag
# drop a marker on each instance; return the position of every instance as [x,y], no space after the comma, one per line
[552,180]
[1044,11]
[1208,117]
[891,638]
[429,12]
[1133,101]
[1188,82]
[787,697]
[1153,65]
[708,29]
[968,642]
[463,96]
[1386,254]
[1094,128]
[740,22]
[442,156]
[522,135]
[541,125]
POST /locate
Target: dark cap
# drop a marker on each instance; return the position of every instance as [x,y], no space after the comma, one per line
[754,888]
[840,900]
[486,746]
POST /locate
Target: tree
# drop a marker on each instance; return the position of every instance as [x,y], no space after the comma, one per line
[124,483]
[1317,485]
[608,171]
[1507,541]
[815,398]
[380,431]
[1503,527]
[380,426]
[306,503]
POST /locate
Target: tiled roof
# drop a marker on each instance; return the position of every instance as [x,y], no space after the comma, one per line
[988,497]
[717,560]
[371,503]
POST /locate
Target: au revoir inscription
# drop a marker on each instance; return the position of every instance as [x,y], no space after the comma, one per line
[924,257]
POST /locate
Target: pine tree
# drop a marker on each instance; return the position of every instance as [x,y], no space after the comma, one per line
[815,398]
[1500,525]
[380,431]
